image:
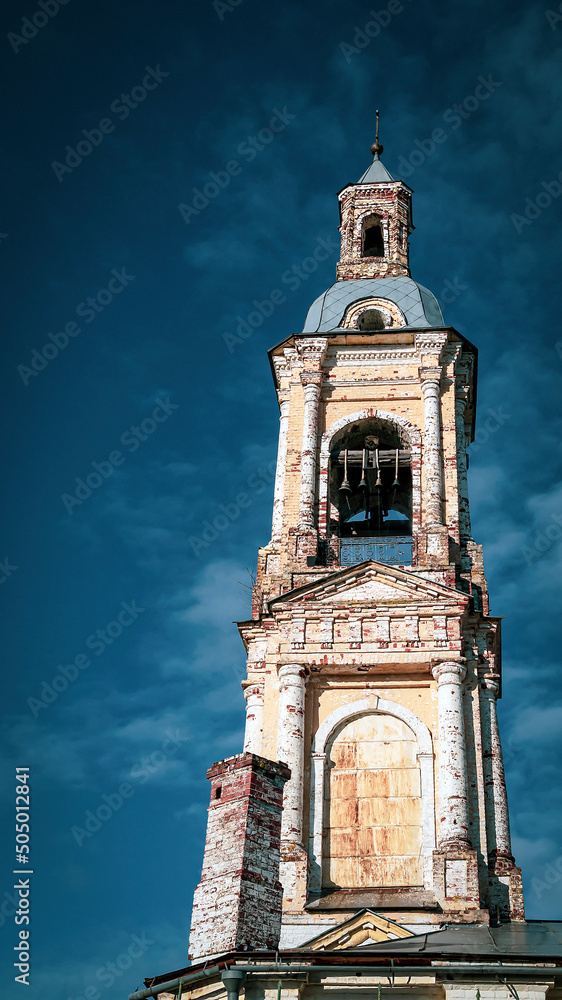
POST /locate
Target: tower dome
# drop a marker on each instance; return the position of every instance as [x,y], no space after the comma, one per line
[373,303]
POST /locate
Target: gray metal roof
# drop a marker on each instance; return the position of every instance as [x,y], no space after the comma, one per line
[418,304]
[533,938]
[375,173]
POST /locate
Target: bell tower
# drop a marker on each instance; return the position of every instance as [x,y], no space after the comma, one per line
[374,665]
[376,221]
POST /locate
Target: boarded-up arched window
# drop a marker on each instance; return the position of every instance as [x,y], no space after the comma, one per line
[372,808]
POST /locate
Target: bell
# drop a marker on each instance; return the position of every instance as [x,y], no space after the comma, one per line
[396,482]
[378,484]
[363,485]
[345,487]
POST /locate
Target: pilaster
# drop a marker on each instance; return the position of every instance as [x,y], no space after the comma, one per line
[505,884]
[279,490]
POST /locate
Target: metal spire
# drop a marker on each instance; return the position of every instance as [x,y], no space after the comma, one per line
[377,148]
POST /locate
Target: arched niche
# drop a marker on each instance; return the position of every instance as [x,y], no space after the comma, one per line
[419,749]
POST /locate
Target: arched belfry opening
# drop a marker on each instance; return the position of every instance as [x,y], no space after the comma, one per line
[372,239]
[371,492]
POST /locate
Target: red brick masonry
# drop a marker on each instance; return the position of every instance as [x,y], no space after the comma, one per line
[237,904]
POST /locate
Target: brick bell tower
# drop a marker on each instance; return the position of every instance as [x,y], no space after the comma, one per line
[372,777]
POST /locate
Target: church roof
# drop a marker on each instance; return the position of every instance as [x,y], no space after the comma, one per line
[418,304]
[530,939]
[375,173]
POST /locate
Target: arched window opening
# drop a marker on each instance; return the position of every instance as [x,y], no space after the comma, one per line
[370,320]
[372,243]
[371,493]
[372,809]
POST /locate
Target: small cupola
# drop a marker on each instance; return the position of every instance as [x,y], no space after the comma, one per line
[376,221]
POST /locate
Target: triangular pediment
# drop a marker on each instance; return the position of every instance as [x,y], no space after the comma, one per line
[364,927]
[367,584]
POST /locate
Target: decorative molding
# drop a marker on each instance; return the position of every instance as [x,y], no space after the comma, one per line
[342,355]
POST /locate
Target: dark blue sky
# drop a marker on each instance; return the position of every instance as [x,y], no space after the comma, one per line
[152,701]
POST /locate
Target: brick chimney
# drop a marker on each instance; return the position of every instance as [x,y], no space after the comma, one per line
[237,904]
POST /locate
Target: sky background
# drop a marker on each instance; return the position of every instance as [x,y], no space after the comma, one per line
[161,701]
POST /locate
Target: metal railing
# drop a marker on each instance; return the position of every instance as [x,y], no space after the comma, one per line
[396,550]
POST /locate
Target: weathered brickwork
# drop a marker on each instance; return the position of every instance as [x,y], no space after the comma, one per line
[237,903]
[387,205]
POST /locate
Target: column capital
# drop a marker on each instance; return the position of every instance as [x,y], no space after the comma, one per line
[450,671]
[312,384]
[461,396]
[430,377]
[295,672]
[491,683]
[252,689]
[284,405]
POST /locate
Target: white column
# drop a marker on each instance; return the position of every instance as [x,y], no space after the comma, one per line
[497,813]
[453,796]
[465,528]
[253,735]
[308,458]
[431,460]
[279,492]
[290,746]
